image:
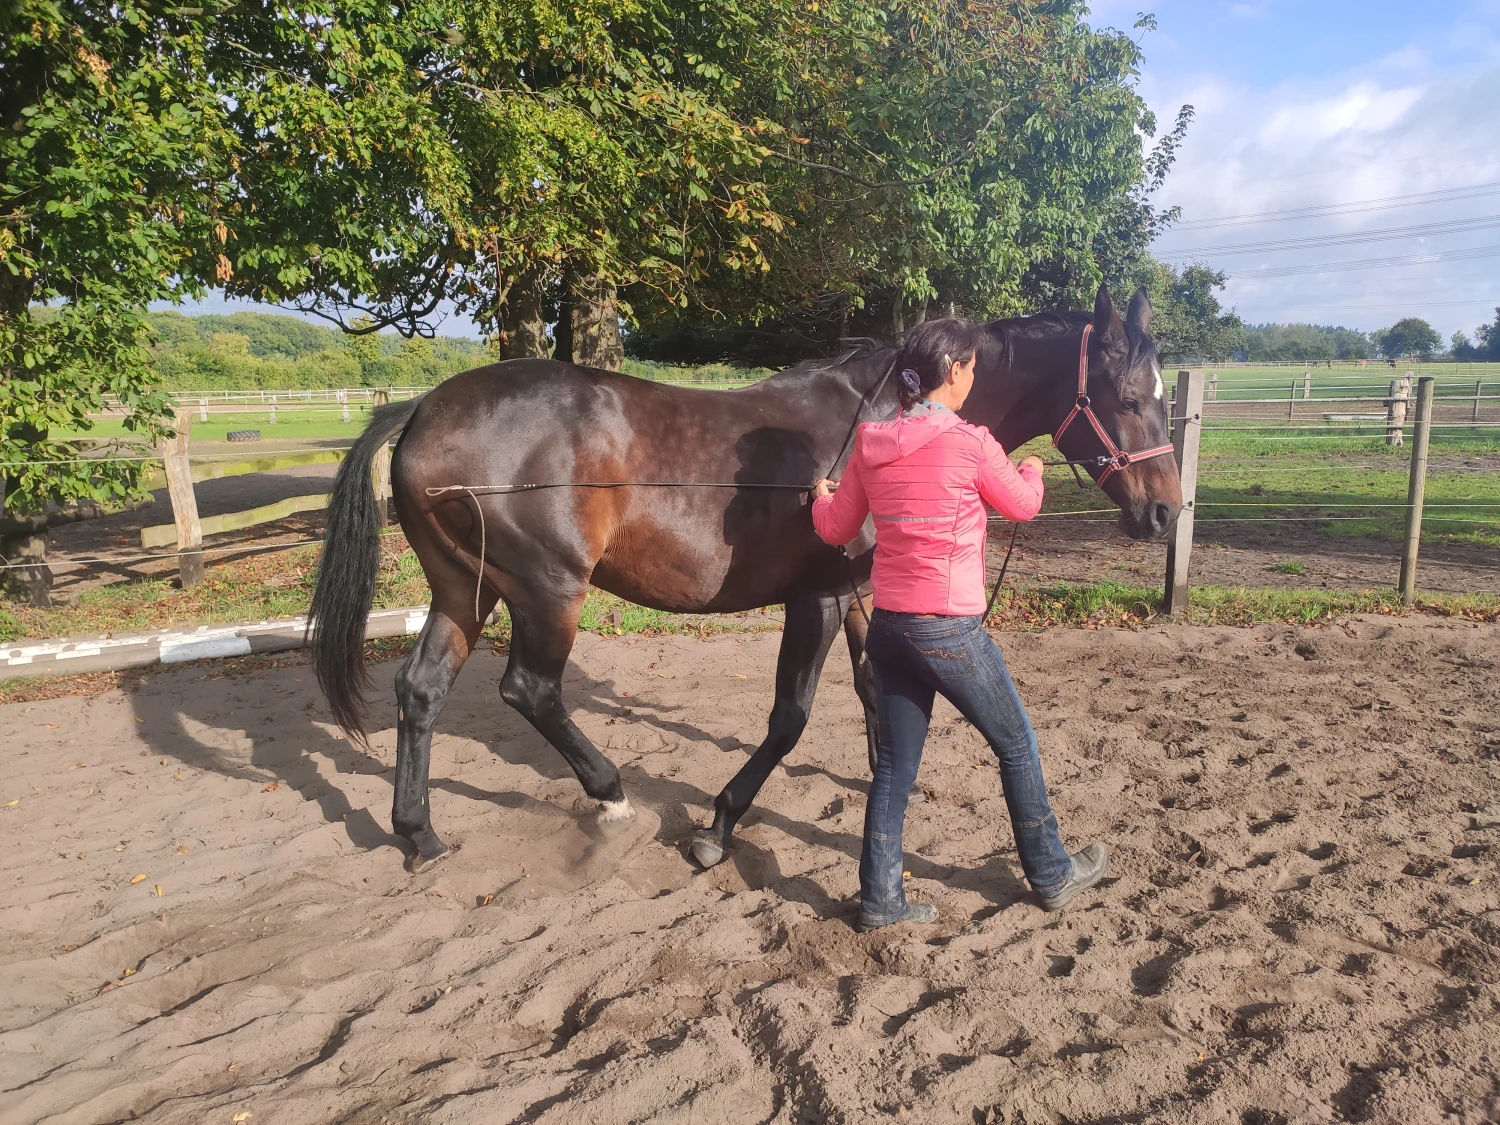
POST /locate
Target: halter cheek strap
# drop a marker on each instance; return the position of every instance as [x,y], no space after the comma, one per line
[1114,458]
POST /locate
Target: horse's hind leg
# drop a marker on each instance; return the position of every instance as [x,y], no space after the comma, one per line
[811,625]
[857,632]
[422,685]
[543,627]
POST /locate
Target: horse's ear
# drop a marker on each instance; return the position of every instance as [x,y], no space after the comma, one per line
[1109,330]
[1138,316]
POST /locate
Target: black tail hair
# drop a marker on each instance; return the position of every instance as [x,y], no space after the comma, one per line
[345,587]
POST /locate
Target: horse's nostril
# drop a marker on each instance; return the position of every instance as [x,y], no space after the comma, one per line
[1161,515]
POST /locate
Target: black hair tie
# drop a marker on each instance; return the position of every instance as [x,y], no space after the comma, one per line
[911,381]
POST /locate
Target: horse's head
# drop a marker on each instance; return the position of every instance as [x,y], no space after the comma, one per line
[1127,395]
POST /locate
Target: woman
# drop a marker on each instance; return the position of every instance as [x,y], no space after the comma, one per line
[926,477]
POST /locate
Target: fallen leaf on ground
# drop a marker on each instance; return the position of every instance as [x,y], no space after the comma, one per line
[69,948]
[272,787]
[11,804]
[180,851]
[159,891]
[137,879]
[486,900]
[242,1116]
[50,726]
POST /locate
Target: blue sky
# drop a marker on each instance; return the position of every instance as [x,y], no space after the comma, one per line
[1322,104]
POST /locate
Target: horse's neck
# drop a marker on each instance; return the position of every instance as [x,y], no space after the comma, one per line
[1027,396]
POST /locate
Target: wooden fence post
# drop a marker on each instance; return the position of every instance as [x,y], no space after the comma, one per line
[1395,413]
[273,410]
[1417,489]
[203,410]
[1306,385]
[382,468]
[1187,431]
[344,403]
[179,474]
[1213,387]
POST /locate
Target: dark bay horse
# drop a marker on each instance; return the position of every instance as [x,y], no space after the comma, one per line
[596,451]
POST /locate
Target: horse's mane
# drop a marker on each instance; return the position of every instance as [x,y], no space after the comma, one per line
[1042,325]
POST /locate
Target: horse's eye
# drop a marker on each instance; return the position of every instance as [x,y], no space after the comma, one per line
[1132,405]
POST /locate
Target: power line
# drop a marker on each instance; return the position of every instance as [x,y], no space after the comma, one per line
[1369,263]
[1409,303]
[1446,226]
[1354,207]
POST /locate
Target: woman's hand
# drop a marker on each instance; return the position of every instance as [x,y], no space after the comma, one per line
[1037,461]
[825,487]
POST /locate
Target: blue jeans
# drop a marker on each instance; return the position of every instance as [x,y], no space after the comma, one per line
[914,658]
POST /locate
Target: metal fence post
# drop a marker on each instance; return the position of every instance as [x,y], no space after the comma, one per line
[1187,430]
[179,474]
[1291,401]
[1416,489]
[1477,385]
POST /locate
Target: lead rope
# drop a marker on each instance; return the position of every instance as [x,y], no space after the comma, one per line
[479,569]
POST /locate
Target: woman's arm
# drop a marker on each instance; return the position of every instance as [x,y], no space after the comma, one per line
[837,518]
[1015,493]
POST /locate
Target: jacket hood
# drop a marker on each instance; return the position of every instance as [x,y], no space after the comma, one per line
[880,443]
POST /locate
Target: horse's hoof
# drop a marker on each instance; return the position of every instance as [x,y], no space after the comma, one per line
[706,847]
[426,861]
[612,812]
[429,851]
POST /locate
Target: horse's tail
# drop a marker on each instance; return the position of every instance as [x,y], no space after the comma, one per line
[345,587]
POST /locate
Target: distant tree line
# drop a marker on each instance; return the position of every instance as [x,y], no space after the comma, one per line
[1409,338]
[247,350]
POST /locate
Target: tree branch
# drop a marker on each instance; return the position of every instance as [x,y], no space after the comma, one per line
[967,152]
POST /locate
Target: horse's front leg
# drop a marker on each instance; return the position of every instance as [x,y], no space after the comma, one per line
[811,625]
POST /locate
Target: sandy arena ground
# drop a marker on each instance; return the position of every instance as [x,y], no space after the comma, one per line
[205,917]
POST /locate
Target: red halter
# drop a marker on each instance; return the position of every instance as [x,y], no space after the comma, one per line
[1115,458]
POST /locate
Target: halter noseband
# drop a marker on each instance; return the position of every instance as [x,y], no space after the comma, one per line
[1114,458]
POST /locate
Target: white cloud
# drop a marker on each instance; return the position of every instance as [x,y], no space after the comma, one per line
[1396,127]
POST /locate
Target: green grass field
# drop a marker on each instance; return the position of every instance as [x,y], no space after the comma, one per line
[1246,381]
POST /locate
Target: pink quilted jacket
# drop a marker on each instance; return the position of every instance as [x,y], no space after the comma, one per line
[926,478]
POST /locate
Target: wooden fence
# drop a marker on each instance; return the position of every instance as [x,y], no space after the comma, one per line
[179,474]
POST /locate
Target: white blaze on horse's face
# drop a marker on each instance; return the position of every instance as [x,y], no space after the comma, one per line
[1156,388]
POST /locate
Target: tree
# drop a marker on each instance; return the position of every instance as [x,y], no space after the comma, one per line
[1410,336]
[1487,343]
[114,163]
[978,158]
[1187,321]
[1460,347]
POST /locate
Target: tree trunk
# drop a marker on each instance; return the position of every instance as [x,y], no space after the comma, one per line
[562,331]
[30,582]
[898,316]
[596,324]
[523,329]
[920,317]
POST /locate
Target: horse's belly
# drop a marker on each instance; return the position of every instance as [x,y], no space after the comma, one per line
[694,570]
